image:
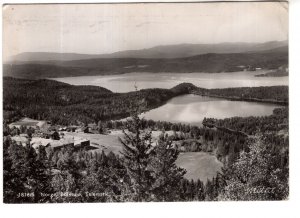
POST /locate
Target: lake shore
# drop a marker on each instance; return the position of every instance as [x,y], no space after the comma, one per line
[122,83]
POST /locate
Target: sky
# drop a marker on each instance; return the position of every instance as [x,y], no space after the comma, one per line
[107,28]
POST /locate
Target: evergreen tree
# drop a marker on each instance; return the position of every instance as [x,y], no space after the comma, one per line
[43,176]
[100,127]
[199,191]
[256,176]
[13,182]
[166,174]
[137,150]
[25,171]
[63,183]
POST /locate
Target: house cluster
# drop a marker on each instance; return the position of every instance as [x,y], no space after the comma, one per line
[249,68]
[76,142]
[49,136]
[283,69]
[30,123]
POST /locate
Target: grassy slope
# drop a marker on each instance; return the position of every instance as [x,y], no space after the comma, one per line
[199,165]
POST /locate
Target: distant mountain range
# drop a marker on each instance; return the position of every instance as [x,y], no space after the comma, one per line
[226,57]
[158,52]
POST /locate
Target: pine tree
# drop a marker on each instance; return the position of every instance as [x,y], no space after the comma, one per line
[29,172]
[153,175]
[247,180]
[199,192]
[137,150]
[43,176]
[13,182]
[63,182]
[167,175]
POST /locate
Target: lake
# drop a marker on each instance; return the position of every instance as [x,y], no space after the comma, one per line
[126,82]
[193,108]
[199,165]
[186,108]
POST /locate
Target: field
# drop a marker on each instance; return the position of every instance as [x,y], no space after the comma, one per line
[107,143]
[199,165]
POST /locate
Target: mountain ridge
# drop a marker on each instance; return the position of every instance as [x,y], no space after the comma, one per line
[210,63]
[156,52]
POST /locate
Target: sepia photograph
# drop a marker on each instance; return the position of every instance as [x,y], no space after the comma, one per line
[145,102]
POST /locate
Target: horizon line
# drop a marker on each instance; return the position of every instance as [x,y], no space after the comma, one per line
[54,52]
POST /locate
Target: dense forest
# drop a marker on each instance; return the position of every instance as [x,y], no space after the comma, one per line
[144,172]
[269,94]
[224,137]
[278,121]
[66,104]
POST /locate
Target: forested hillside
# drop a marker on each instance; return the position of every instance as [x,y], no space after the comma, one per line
[272,94]
[66,104]
[210,62]
[146,173]
[264,143]
[253,125]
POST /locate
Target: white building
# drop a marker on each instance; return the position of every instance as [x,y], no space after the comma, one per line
[27,122]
